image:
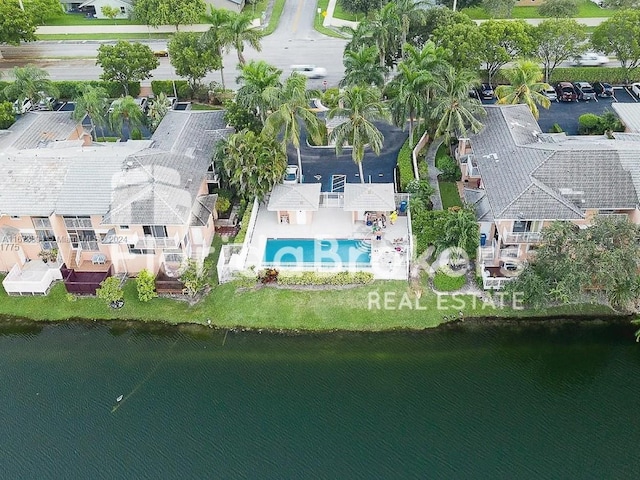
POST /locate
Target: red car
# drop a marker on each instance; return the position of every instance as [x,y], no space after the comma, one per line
[566,92]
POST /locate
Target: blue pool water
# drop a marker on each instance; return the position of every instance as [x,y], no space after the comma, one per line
[293,251]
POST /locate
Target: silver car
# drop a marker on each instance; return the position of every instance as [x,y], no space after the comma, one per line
[585,91]
[550,93]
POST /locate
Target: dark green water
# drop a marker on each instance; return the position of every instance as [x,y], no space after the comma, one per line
[488,403]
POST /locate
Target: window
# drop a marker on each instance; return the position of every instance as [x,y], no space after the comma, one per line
[81,233]
[140,251]
[156,231]
[44,233]
[122,10]
[124,227]
[520,226]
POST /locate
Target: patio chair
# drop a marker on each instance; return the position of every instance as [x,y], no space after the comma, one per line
[99,259]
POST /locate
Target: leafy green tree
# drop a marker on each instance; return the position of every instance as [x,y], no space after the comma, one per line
[362,67]
[459,229]
[42,10]
[453,109]
[499,8]
[460,42]
[620,36]
[125,112]
[110,12]
[241,118]
[146,286]
[110,291]
[157,110]
[525,86]
[192,58]
[360,106]
[558,40]
[126,62]
[559,8]
[240,31]
[289,107]
[30,82]
[360,6]
[255,77]
[7,115]
[503,41]
[254,163]
[168,12]
[217,37]
[195,277]
[620,4]
[15,24]
[92,102]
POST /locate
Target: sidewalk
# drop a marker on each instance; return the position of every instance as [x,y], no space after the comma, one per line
[86,29]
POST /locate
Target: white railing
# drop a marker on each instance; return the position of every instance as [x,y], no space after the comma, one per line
[495,283]
[317,266]
[615,216]
[332,199]
[521,237]
[149,242]
[78,255]
[488,252]
[509,253]
[77,223]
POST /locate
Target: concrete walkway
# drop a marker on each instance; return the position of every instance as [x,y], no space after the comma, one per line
[430,158]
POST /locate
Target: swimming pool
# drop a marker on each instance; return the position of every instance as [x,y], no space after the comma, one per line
[290,252]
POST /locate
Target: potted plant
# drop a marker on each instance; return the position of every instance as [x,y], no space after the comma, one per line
[49,255]
[44,255]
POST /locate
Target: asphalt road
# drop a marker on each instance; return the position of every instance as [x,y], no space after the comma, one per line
[294,42]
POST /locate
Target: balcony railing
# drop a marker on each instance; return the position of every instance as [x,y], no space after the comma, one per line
[521,237]
[508,253]
[494,283]
[149,242]
[488,252]
[332,199]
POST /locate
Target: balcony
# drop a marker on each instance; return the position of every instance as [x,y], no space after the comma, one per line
[488,252]
[509,253]
[521,237]
[150,243]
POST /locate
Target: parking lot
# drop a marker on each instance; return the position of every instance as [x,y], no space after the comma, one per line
[566,114]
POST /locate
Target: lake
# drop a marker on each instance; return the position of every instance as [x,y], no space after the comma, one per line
[541,401]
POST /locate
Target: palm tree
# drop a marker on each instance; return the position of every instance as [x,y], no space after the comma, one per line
[157,110]
[361,106]
[92,103]
[362,67]
[125,111]
[217,36]
[453,109]
[409,11]
[30,82]
[382,29]
[240,30]
[526,85]
[410,96]
[256,77]
[289,105]
[430,59]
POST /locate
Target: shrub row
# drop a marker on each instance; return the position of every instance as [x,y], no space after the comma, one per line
[70,89]
[613,75]
[166,87]
[313,278]
[246,216]
[405,166]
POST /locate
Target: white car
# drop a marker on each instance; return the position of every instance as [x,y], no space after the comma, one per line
[291,176]
[550,93]
[591,59]
[309,71]
[635,88]
[142,102]
[22,106]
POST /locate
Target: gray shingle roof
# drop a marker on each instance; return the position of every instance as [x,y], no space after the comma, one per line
[160,185]
[295,196]
[360,197]
[629,114]
[37,129]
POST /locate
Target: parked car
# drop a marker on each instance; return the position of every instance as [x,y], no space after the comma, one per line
[309,71]
[603,89]
[22,106]
[171,102]
[591,59]
[635,88]
[486,92]
[143,103]
[585,91]
[46,103]
[566,92]
[161,53]
[550,93]
[473,93]
[291,176]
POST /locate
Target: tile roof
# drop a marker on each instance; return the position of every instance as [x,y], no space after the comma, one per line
[360,197]
[295,196]
[38,129]
[629,114]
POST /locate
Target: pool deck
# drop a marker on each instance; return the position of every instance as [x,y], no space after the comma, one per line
[389,260]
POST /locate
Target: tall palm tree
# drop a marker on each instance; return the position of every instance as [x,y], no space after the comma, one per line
[410,96]
[92,103]
[453,109]
[255,78]
[30,82]
[125,111]
[241,30]
[289,106]
[409,12]
[526,85]
[362,67]
[217,37]
[360,106]
[429,58]
[383,29]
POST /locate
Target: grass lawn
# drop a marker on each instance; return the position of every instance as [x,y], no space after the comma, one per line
[586,9]
[449,194]
[342,14]
[276,13]
[79,19]
[106,36]
[318,19]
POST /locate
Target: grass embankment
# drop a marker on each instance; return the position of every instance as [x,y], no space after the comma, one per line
[448,190]
[274,20]
[586,9]
[106,36]
[319,19]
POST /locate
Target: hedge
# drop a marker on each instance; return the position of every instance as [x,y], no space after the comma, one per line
[614,75]
[70,89]
[313,278]
[246,217]
[166,87]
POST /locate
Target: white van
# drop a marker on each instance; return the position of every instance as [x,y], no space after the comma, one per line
[591,59]
[309,71]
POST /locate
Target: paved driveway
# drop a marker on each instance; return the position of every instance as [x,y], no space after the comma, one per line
[566,114]
[319,164]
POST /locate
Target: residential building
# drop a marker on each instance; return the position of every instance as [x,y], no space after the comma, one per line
[520,180]
[115,208]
